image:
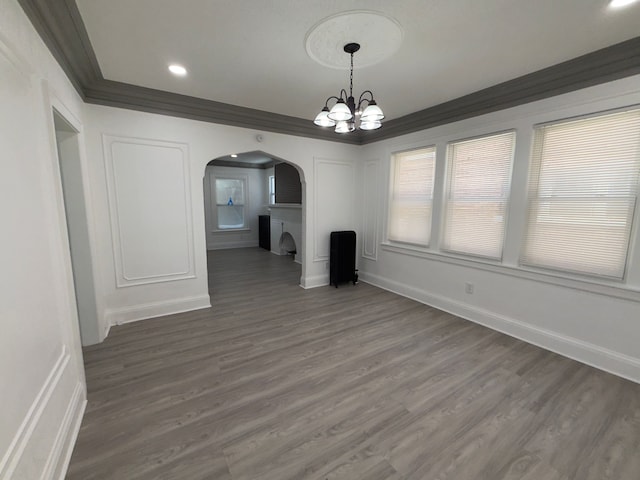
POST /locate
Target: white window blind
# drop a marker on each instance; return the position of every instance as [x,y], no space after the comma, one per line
[412,196]
[230,202]
[479,177]
[582,194]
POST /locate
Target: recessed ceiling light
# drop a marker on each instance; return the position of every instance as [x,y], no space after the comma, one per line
[621,3]
[177,69]
[233,155]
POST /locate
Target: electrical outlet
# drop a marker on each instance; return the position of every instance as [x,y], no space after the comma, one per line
[468,287]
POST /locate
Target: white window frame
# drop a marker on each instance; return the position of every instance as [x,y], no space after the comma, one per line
[392,194]
[504,197]
[598,201]
[215,205]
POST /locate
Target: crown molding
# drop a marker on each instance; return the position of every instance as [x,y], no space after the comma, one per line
[59,24]
[133,97]
[604,65]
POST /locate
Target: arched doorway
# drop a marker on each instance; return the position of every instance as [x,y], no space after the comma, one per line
[240,190]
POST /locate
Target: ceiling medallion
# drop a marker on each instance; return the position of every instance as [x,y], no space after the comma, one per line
[379,35]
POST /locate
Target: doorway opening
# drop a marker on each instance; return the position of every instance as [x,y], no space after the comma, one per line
[254,200]
[68,149]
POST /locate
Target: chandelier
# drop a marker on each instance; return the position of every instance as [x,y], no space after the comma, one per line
[345,115]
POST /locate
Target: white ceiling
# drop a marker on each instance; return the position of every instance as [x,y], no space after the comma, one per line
[252,52]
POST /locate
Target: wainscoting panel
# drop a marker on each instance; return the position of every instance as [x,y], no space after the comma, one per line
[150,206]
[334,182]
[371,191]
[55,413]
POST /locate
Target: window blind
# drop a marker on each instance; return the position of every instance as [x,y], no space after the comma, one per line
[412,196]
[479,172]
[230,202]
[229,191]
[582,194]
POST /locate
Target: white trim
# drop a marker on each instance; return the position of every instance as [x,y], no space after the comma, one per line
[122,279]
[56,104]
[20,440]
[315,281]
[213,204]
[317,161]
[584,352]
[107,329]
[60,454]
[370,198]
[118,316]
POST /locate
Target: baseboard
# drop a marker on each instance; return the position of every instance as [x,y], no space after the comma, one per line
[58,462]
[315,281]
[295,257]
[118,316]
[42,445]
[106,330]
[584,352]
[229,245]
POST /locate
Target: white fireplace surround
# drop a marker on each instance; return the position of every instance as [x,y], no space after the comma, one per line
[286,218]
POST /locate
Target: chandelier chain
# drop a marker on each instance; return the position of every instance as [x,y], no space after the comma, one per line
[351,78]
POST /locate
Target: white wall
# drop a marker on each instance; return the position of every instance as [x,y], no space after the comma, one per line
[41,374]
[255,205]
[199,143]
[598,324]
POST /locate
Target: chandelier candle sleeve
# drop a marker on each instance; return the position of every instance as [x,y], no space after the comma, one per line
[345,115]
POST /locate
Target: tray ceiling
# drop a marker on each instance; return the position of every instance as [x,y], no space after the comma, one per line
[252,54]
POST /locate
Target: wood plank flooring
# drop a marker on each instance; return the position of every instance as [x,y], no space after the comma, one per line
[275,382]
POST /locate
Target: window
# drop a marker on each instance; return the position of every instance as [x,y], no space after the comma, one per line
[272,189]
[478,191]
[230,201]
[412,196]
[582,194]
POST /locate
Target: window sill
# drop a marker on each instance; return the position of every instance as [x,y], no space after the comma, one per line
[231,230]
[604,287]
[284,205]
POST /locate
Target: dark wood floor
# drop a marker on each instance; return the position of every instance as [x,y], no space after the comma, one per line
[275,382]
